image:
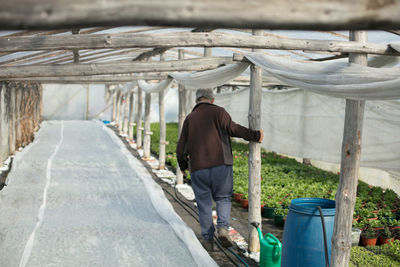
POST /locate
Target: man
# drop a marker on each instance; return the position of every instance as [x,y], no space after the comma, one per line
[204,148]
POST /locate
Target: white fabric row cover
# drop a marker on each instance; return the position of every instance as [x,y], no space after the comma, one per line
[155,87]
[303,124]
[336,79]
[210,78]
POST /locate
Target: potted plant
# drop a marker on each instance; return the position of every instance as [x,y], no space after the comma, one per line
[386,236]
[279,215]
[237,197]
[393,224]
[369,237]
[377,224]
[244,202]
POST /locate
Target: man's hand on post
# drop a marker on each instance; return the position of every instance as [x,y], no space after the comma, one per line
[261,136]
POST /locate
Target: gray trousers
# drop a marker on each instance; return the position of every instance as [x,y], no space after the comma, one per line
[215,183]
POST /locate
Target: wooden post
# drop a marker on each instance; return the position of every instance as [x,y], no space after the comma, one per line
[18,133]
[12,121]
[126,113]
[139,128]
[3,124]
[114,104]
[181,115]
[163,127]
[147,130]
[118,106]
[350,162]
[255,155]
[131,112]
[122,112]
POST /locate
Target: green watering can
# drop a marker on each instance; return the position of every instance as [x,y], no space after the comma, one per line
[271,249]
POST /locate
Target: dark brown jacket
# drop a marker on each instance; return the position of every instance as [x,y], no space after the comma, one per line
[205,138]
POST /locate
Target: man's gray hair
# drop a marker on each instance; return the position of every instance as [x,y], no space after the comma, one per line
[205,92]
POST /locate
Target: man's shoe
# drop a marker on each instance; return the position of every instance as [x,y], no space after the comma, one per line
[224,238]
[208,244]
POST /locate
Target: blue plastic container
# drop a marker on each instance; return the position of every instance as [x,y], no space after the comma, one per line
[303,239]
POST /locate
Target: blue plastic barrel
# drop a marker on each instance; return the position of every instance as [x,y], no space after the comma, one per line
[303,240]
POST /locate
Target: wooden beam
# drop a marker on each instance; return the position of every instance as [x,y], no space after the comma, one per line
[91,79]
[197,64]
[187,39]
[274,14]
[159,50]
[349,169]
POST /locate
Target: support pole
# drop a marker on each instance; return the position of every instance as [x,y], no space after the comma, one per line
[181,114]
[254,190]
[118,106]
[121,110]
[131,113]
[147,132]
[163,127]
[3,124]
[12,121]
[350,162]
[114,104]
[139,128]
[18,132]
[126,113]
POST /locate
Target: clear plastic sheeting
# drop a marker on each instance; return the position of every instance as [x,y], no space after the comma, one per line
[336,79]
[209,78]
[303,124]
[77,197]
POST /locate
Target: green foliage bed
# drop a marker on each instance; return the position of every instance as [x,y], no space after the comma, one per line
[386,255]
[284,179]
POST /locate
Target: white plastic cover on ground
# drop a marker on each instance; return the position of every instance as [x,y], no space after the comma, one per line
[336,79]
[210,78]
[77,197]
[303,124]
[157,87]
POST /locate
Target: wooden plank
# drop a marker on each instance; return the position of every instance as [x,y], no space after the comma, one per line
[349,169]
[92,79]
[112,68]
[274,14]
[254,189]
[187,39]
